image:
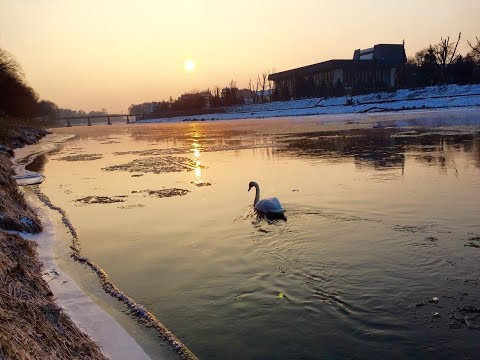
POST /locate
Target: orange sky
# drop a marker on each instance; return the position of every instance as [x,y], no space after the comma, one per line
[94,54]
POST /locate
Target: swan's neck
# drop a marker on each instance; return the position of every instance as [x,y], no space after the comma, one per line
[257,194]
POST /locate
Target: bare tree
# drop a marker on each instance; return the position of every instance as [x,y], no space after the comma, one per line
[216,91]
[253,92]
[9,66]
[475,48]
[263,84]
[447,53]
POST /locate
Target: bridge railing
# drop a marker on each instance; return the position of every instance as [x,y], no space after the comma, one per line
[69,120]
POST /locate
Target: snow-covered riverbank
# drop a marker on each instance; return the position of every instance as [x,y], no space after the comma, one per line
[434,97]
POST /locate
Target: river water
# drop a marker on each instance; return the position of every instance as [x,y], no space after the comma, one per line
[381,219]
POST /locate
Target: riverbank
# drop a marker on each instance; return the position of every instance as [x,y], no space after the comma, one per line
[428,98]
[15,214]
[32,325]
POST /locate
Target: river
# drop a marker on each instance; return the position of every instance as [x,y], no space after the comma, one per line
[378,256]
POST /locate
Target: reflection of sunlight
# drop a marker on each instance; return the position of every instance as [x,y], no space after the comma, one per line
[198,169]
[195,132]
[196,154]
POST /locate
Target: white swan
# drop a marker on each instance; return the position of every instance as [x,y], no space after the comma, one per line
[266,206]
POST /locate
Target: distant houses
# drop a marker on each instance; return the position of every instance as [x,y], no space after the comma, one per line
[370,69]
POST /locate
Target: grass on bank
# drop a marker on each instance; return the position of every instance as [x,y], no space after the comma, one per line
[32,326]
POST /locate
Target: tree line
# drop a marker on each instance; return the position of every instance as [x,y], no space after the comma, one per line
[217,97]
[19,100]
[441,63]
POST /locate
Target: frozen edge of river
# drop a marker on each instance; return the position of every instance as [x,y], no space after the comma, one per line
[112,338]
[136,311]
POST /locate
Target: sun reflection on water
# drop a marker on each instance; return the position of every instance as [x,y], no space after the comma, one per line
[196,153]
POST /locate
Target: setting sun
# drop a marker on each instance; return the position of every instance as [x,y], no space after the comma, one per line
[189,65]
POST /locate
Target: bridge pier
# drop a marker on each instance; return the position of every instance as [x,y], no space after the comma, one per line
[98,117]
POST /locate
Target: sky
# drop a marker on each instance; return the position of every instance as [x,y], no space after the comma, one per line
[109,54]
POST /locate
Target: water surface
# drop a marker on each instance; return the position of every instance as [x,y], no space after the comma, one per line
[380,220]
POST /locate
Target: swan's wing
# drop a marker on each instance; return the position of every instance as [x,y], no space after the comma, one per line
[269,206]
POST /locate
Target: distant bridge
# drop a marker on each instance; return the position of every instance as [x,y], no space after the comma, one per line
[88,118]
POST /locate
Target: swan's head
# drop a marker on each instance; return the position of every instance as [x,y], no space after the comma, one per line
[251,184]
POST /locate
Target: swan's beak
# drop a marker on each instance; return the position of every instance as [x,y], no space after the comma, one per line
[249,188]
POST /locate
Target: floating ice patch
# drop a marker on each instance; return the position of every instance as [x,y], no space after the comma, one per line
[473,242]
[153,152]
[131,206]
[81,157]
[157,165]
[101,199]
[164,192]
[200,184]
[30,178]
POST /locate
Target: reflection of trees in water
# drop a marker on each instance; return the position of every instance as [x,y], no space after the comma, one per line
[208,136]
[440,148]
[374,147]
[384,148]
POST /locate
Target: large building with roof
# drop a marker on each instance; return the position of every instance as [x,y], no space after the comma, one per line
[373,68]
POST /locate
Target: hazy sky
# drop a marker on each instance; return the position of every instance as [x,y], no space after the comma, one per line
[94,54]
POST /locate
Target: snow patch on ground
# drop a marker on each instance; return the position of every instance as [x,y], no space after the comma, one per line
[432,97]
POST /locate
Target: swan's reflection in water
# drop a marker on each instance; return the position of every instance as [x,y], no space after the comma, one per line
[271,217]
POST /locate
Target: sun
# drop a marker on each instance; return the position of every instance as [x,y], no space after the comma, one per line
[189,65]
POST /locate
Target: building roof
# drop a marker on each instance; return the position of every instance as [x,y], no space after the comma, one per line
[380,56]
[329,65]
[392,54]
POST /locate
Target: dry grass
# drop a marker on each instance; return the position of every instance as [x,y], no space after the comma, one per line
[32,326]
[14,133]
[14,211]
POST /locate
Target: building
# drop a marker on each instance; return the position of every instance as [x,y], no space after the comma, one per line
[373,68]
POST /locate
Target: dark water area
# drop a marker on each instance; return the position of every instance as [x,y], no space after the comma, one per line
[37,164]
[378,258]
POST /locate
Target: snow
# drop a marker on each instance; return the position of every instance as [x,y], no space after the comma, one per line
[433,97]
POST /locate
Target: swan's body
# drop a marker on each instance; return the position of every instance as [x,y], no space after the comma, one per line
[265,206]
